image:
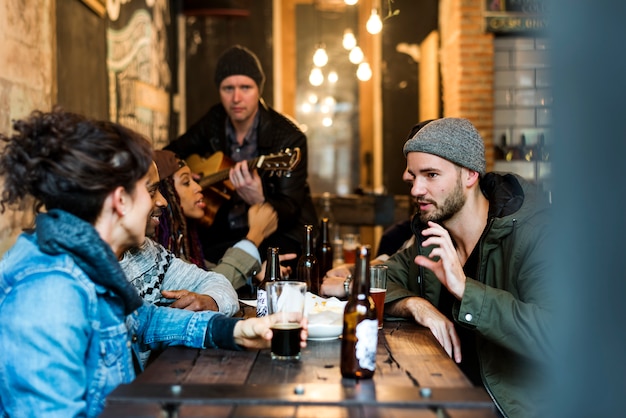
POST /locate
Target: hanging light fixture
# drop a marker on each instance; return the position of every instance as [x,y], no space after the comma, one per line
[351,2]
[349,41]
[316,78]
[306,107]
[364,72]
[333,77]
[320,57]
[331,102]
[374,24]
[356,55]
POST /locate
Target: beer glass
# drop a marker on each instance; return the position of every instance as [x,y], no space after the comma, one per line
[285,302]
[378,289]
[350,244]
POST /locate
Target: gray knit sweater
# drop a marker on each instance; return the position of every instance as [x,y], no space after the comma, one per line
[151,268]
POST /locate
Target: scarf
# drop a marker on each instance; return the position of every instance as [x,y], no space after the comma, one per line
[59,232]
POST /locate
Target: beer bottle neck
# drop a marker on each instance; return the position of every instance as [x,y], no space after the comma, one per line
[272,272]
[324,231]
[361,286]
[308,250]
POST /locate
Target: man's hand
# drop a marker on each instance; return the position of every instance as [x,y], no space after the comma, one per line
[262,221]
[427,315]
[333,286]
[334,279]
[448,269]
[256,333]
[341,271]
[248,185]
[190,301]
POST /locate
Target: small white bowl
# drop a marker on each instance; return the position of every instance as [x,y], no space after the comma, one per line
[324,332]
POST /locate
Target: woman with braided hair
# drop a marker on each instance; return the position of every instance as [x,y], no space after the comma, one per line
[177,229]
[178,225]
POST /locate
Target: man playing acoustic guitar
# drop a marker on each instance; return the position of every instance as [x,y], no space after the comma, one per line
[243,127]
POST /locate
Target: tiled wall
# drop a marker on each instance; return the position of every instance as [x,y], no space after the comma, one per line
[522,94]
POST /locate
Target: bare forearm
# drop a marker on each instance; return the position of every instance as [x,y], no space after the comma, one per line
[424,313]
[399,308]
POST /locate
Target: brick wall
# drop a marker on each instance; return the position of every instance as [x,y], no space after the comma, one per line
[26,78]
[467,55]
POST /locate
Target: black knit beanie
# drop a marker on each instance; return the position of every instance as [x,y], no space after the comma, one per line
[239,60]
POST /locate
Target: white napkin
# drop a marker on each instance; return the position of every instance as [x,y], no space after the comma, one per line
[290,300]
[324,311]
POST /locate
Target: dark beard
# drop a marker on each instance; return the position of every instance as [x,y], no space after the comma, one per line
[453,203]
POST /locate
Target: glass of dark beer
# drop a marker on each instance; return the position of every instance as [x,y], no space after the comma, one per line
[285,303]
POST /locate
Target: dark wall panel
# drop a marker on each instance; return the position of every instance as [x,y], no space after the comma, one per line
[400,82]
[81,59]
[208,36]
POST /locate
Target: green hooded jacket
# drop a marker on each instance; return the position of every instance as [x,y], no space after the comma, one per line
[509,304]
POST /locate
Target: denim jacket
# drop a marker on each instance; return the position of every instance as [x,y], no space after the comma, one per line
[68,341]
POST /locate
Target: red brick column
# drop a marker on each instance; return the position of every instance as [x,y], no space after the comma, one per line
[467,66]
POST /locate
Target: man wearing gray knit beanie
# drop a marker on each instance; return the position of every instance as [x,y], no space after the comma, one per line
[242,128]
[477,275]
[454,139]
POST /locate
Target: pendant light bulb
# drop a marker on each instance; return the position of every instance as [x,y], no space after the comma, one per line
[333,77]
[349,41]
[356,55]
[351,2]
[316,78]
[374,25]
[320,58]
[364,72]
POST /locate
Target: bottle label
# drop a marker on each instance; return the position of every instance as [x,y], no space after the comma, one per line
[367,343]
[261,302]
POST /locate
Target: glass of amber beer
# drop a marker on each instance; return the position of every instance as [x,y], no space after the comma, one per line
[350,243]
[285,303]
[378,289]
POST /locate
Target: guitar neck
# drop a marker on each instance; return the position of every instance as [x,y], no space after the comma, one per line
[222,175]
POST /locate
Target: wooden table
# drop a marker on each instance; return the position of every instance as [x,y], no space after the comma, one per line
[414,378]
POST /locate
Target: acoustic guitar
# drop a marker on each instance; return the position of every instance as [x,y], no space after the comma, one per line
[213,173]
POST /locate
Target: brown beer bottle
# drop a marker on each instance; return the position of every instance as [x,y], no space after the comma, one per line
[272,273]
[360,325]
[324,249]
[308,268]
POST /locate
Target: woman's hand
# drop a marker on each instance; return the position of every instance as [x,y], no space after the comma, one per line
[262,221]
[256,333]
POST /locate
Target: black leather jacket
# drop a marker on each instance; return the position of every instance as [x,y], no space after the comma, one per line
[289,195]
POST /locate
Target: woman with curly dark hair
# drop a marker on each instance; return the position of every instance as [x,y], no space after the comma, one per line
[71,323]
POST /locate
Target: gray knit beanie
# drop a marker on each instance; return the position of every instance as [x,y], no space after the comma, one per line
[239,60]
[454,139]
